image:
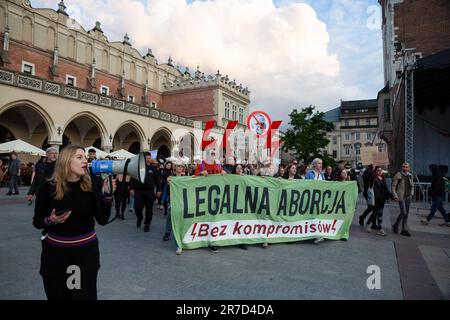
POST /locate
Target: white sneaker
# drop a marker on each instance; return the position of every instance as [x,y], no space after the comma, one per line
[178,251]
[368,228]
[381,232]
[265,245]
[318,240]
[424,221]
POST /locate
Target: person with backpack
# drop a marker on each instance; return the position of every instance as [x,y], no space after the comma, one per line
[403,189]
[437,193]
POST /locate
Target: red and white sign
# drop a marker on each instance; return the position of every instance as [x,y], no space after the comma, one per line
[259,123]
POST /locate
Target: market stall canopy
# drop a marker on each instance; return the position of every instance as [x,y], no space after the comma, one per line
[99,153]
[122,154]
[22,147]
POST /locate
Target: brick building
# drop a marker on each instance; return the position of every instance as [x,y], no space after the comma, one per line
[414,104]
[118,97]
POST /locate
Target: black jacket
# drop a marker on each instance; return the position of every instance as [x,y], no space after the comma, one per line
[42,173]
[382,192]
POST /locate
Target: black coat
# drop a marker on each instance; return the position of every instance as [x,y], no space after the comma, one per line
[382,192]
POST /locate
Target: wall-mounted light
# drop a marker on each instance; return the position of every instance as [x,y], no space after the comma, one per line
[148,141]
[59,130]
[110,137]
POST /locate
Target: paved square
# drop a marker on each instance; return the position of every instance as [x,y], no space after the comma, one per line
[138,265]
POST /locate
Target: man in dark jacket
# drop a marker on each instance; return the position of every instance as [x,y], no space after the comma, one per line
[437,193]
[144,193]
[43,172]
[14,173]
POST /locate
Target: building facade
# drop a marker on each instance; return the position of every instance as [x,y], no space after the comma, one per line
[60,84]
[413,107]
[355,127]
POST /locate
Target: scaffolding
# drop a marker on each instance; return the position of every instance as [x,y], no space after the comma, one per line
[409,64]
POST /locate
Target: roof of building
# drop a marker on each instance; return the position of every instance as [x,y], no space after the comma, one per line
[333,114]
[359,104]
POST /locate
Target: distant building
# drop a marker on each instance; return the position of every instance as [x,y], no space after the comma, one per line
[355,127]
[61,84]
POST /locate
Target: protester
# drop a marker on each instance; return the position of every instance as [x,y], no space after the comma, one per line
[382,193]
[229,166]
[316,174]
[179,168]
[92,155]
[329,174]
[205,168]
[281,172]
[291,172]
[337,171]
[14,174]
[367,178]
[343,176]
[121,195]
[43,171]
[301,171]
[144,193]
[166,172]
[437,193]
[403,189]
[67,207]
[239,170]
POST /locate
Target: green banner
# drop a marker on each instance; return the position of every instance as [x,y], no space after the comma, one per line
[231,209]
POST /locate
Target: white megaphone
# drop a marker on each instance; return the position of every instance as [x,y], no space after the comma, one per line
[134,167]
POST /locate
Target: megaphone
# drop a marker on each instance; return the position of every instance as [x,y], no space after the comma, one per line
[134,167]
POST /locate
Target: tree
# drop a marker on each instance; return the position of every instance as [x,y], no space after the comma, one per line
[307,135]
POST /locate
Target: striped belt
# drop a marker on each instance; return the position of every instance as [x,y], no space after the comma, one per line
[72,241]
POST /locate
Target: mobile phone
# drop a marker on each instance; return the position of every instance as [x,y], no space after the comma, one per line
[58,213]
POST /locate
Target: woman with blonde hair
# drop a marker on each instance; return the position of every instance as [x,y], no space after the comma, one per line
[66,208]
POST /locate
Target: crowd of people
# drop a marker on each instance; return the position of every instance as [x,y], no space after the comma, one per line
[69,201]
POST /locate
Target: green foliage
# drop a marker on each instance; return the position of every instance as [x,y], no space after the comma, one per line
[307,135]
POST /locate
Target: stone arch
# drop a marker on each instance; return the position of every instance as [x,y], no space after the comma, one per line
[86,129]
[27,29]
[30,126]
[121,136]
[162,137]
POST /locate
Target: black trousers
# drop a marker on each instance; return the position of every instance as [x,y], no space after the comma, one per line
[143,198]
[57,271]
[120,197]
[377,217]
